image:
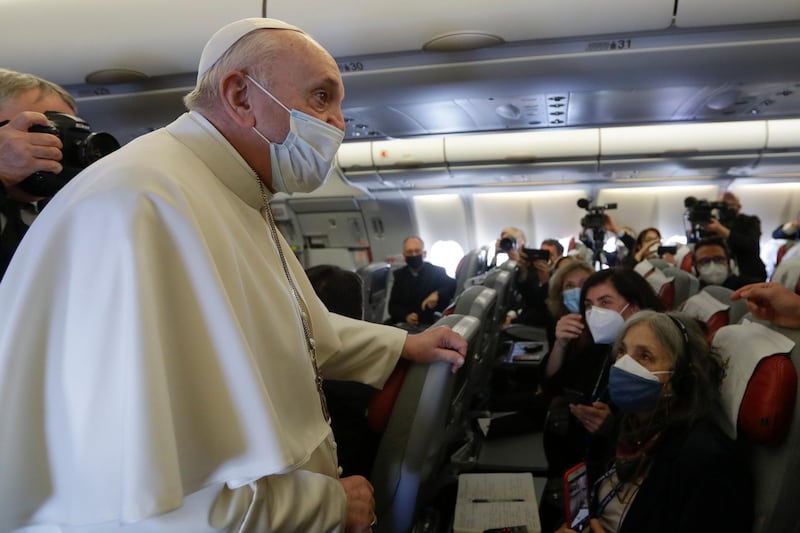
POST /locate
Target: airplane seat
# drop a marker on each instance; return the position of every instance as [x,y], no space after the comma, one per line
[782,251]
[738,308]
[389,285]
[374,277]
[662,284]
[788,274]
[657,262]
[713,312]
[685,259]
[760,400]
[472,264]
[502,281]
[686,284]
[415,443]
[480,302]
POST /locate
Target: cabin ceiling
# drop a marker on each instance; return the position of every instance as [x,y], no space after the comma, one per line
[631,62]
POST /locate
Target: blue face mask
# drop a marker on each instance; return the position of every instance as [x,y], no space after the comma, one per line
[632,387]
[572,299]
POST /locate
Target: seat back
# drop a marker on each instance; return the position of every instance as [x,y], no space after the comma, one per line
[686,284]
[783,251]
[375,290]
[737,309]
[787,273]
[414,444]
[704,307]
[389,284]
[662,284]
[761,402]
[502,281]
[685,259]
[472,264]
[480,302]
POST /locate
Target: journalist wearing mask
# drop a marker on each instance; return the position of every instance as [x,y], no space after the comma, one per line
[674,469]
[579,424]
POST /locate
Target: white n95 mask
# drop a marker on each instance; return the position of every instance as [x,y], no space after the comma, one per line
[604,324]
[303,161]
[713,274]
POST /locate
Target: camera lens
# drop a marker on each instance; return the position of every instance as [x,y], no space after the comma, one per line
[95,146]
[507,244]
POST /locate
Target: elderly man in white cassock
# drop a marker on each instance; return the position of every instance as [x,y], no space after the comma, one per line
[161,349]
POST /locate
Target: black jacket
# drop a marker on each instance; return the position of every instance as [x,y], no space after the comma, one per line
[410,289]
[699,481]
[745,249]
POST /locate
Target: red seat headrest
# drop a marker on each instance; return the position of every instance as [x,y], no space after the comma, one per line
[667,294]
[768,403]
[382,401]
[717,320]
[687,263]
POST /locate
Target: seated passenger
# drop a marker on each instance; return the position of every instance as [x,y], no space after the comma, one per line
[356,445]
[575,377]
[713,264]
[789,231]
[420,289]
[564,293]
[675,470]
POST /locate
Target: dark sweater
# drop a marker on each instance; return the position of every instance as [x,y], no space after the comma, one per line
[699,482]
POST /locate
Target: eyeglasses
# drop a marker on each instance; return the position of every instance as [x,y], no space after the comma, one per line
[717,260]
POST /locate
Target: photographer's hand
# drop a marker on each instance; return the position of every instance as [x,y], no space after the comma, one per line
[717,228]
[22,153]
[543,270]
[610,225]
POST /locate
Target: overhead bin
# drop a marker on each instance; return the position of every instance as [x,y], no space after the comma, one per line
[523,146]
[695,13]
[418,152]
[783,134]
[383,26]
[64,41]
[355,155]
[685,138]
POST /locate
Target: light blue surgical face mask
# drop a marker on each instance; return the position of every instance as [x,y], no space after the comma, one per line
[632,387]
[572,299]
[303,161]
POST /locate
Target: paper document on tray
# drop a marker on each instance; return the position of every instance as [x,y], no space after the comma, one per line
[486,501]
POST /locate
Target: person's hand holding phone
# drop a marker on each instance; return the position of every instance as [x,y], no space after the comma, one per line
[592,417]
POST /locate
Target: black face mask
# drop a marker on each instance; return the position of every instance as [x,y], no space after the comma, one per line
[414,261]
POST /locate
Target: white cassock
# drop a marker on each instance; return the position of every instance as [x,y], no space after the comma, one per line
[153,367]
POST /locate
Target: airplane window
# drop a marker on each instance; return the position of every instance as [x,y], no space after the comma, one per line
[446,254]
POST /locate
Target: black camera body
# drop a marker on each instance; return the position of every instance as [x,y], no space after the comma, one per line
[507,244]
[701,212]
[81,148]
[595,215]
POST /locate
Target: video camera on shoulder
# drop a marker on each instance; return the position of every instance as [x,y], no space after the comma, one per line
[700,213]
[81,148]
[595,215]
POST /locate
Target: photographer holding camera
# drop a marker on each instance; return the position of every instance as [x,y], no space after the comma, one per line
[741,233]
[23,100]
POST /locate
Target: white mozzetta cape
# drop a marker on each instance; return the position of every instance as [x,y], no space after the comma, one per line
[150,347]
